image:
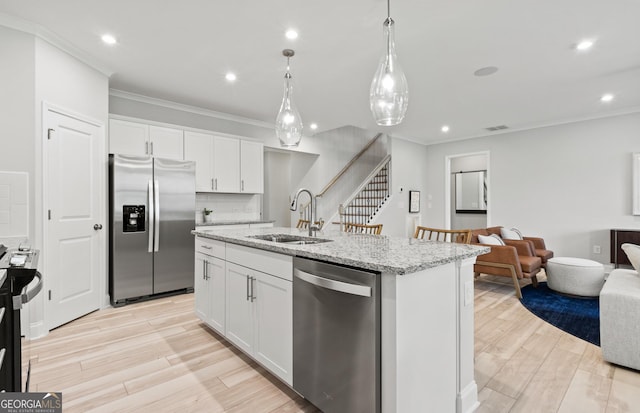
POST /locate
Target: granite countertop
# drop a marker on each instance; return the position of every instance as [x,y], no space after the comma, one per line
[394,255]
[233,222]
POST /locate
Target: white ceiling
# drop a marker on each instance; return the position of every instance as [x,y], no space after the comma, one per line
[181,50]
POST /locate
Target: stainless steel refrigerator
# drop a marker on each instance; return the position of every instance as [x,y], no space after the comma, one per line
[152,214]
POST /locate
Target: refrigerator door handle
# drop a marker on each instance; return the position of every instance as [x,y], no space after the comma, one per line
[150,215]
[156,216]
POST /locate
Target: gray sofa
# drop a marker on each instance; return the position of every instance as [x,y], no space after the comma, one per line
[620,318]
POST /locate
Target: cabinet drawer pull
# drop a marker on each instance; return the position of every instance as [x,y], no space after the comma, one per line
[207,247]
[253,286]
[248,295]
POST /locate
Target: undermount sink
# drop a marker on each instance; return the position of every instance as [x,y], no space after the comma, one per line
[290,239]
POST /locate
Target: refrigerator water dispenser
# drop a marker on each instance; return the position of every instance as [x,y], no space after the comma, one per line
[133,218]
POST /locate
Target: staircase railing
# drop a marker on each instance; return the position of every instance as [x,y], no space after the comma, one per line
[348,165]
[367,199]
[305,208]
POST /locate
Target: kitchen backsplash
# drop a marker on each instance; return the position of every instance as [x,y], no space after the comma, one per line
[229,207]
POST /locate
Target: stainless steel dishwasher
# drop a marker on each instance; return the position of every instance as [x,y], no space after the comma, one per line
[336,336]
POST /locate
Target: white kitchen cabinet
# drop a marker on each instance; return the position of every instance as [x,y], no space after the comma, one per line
[128,138]
[209,283]
[226,164]
[239,318]
[166,142]
[259,306]
[259,317]
[251,167]
[273,328]
[135,138]
[217,293]
[198,147]
[201,289]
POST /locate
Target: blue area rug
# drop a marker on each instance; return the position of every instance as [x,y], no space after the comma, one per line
[575,315]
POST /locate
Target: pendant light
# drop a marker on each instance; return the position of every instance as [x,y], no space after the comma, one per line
[389,94]
[288,122]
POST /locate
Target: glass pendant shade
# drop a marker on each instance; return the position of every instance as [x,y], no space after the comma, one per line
[389,94]
[288,122]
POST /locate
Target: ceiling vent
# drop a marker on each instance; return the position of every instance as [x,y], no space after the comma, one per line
[495,128]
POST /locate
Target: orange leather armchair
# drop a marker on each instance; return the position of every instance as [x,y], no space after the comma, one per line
[517,259]
[540,249]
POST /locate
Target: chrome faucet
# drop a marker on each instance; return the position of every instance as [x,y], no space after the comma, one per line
[312,216]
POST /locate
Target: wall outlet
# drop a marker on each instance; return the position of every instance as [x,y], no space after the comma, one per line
[596,249]
[468,293]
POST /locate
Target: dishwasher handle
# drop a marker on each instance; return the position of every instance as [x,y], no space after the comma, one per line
[341,286]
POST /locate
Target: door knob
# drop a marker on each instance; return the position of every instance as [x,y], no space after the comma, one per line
[97,227]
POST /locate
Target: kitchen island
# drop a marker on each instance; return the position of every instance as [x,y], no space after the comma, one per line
[426,297]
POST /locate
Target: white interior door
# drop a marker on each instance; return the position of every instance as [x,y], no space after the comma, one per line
[74,205]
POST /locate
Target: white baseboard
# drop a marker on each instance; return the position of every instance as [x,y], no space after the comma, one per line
[467,399]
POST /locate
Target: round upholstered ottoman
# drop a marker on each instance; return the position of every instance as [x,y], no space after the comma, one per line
[577,276]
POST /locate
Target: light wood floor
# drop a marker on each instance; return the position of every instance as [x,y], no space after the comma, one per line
[156,356]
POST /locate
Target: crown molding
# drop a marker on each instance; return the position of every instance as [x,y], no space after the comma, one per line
[609,114]
[50,37]
[188,108]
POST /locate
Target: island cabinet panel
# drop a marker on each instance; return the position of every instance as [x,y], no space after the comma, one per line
[420,319]
[239,317]
[209,283]
[201,288]
[245,294]
[216,276]
[259,318]
[279,265]
[273,339]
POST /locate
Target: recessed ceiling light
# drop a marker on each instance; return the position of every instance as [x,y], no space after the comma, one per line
[606,97]
[291,34]
[486,71]
[109,39]
[445,129]
[584,45]
[231,77]
[314,126]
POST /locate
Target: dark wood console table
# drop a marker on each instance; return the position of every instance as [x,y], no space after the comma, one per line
[619,237]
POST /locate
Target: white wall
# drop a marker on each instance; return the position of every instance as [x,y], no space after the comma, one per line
[169,112]
[568,183]
[17,100]
[408,171]
[329,151]
[35,71]
[67,83]
[277,183]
